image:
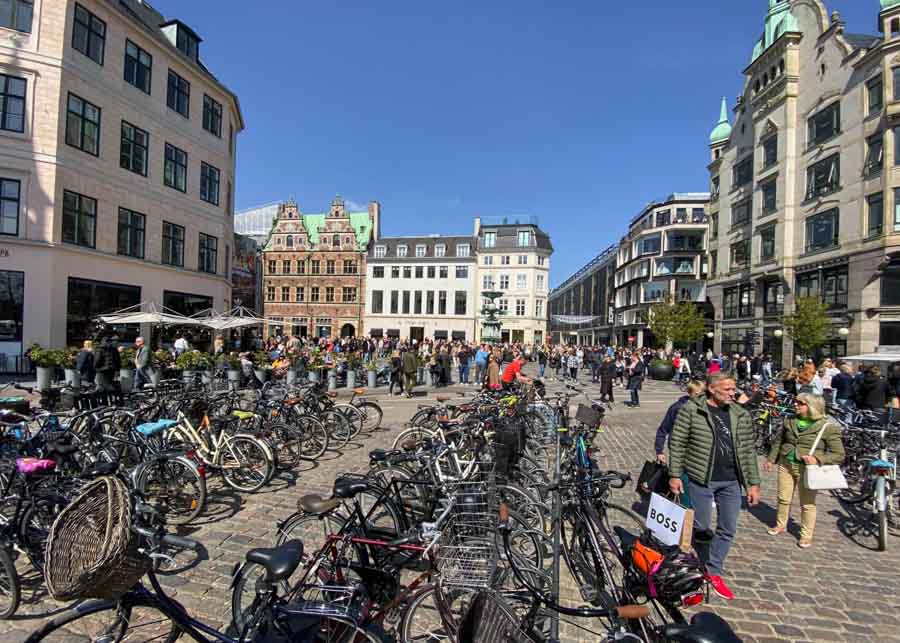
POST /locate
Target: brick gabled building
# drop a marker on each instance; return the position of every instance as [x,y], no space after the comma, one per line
[314,270]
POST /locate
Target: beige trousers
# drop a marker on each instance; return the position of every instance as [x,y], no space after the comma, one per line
[788,482]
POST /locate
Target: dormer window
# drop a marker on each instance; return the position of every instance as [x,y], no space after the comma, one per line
[183,38]
[336,241]
[380,252]
[420,250]
[401,251]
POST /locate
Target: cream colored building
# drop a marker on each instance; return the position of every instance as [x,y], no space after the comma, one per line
[117,156]
[514,258]
[806,183]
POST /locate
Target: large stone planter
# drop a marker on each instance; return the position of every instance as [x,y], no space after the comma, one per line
[332,380]
[262,374]
[103,381]
[155,376]
[234,378]
[290,377]
[126,379]
[313,376]
[373,378]
[188,376]
[73,378]
[426,377]
[206,378]
[662,371]
[44,377]
[351,379]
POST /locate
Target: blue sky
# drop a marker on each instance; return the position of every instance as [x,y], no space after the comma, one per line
[576,112]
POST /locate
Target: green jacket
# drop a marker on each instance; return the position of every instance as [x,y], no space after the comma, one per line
[692,444]
[829,451]
[410,363]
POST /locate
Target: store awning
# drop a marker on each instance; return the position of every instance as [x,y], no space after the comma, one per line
[393,332]
[872,357]
[459,334]
[376,332]
[440,334]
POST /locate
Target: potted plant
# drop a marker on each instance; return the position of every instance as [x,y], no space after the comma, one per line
[126,369]
[262,366]
[315,367]
[161,360]
[70,358]
[372,373]
[188,363]
[231,362]
[290,376]
[352,364]
[662,369]
[45,360]
[205,363]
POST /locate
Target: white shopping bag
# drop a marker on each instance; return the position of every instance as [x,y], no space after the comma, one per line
[666,519]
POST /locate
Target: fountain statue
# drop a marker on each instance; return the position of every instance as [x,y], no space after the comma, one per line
[490,318]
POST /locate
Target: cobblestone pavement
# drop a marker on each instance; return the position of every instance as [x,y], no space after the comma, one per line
[839,590]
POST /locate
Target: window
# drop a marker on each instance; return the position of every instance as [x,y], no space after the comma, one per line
[420,251]
[521,281]
[405,302]
[348,295]
[740,254]
[79,219]
[503,305]
[681,215]
[523,260]
[314,294]
[767,243]
[832,289]
[875,89]
[504,282]
[289,241]
[714,188]
[131,233]
[286,266]
[540,282]
[401,251]
[488,260]
[714,226]
[315,267]
[175,171]
[209,185]
[462,250]
[377,301]
[663,218]
[138,67]
[178,94]
[890,285]
[378,272]
[133,149]
[825,124]
[329,267]
[684,265]
[823,177]
[270,293]
[769,196]
[889,333]
[874,155]
[504,260]
[770,151]
[462,272]
[301,267]
[896,72]
[520,307]
[440,250]
[875,219]
[17,14]
[487,282]
[12,103]
[88,34]
[407,272]
[539,308]
[380,252]
[698,215]
[285,293]
[649,245]
[442,302]
[272,269]
[173,246]
[349,267]
[329,294]
[83,125]
[10,194]
[186,43]
[747,300]
[212,116]
[773,299]
[429,302]
[395,272]
[490,239]
[684,241]
[523,239]
[443,271]
[542,261]
[420,272]
[742,173]
[209,254]
[822,230]
[431,272]
[395,302]
[417,302]
[300,294]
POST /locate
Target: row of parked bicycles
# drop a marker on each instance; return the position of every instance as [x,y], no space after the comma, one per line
[166,443]
[871,446]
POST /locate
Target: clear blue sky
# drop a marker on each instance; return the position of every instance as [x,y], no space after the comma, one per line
[576,112]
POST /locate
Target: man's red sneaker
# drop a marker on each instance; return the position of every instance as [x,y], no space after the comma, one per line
[720,588]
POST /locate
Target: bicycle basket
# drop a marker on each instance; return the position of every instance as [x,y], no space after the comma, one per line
[588,415]
[490,620]
[92,551]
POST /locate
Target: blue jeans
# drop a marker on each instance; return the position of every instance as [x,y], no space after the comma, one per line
[541,369]
[635,396]
[463,373]
[727,496]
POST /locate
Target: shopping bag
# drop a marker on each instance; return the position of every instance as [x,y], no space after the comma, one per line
[669,522]
[654,478]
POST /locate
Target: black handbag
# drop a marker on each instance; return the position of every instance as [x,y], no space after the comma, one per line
[654,478]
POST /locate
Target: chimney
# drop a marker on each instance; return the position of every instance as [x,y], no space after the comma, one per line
[477,226]
[375,218]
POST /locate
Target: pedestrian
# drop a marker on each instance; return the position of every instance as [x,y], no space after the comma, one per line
[107,364]
[809,380]
[493,371]
[792,451]
[873,392]
[620,369]
[713,442]
[789,383]
[607,376]
[512,374]
[635,381]
[481,361]
[596,365]
[141,363]
[542,361]
[396,373]
[84,362]
[463,357]
[695,389]
[842,383]
[181,345]
[410,368]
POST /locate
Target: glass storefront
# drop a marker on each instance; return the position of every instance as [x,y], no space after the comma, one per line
[185,303]
[12,297]
[87,299]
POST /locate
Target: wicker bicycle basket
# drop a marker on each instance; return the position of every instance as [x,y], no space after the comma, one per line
[92,551]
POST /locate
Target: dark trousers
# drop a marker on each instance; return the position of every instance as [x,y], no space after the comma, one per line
[727,497]
[595,372]
[635,396]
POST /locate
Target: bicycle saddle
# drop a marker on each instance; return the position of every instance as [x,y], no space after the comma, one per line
[99,469]
[349,487]
[442,398]
[705,627]
[280,562]
[57,448]
[380,455]
[315,504]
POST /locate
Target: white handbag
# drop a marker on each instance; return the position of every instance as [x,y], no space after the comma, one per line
[823,477]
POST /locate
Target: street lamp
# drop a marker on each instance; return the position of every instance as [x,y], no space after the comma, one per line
[843,332]
[778,332]
[710,334]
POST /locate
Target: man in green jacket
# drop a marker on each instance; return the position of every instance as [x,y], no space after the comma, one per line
[712,441]
[410,367]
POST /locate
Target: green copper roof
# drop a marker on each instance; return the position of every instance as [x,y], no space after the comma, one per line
[887,4]
[722,131]
[780,20]
[313,223]
[362,225]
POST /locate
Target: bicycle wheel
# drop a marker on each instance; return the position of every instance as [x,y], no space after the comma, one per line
[354,417]
[34,527]
[109,622]
[175,488]
[313,437]
[335,630]
[9,585]
[245,463]
[371,414]
[338,427]
[414,433]
[432,616]
[287,441]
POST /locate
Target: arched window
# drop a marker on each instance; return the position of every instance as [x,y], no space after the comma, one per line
[290,241]
[781,66]
[895,27]
[336,241]
[765,79]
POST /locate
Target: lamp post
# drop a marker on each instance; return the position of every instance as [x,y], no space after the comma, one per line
[778,332]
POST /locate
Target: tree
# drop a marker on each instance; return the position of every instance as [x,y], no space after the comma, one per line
[808,324]
[680,323]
